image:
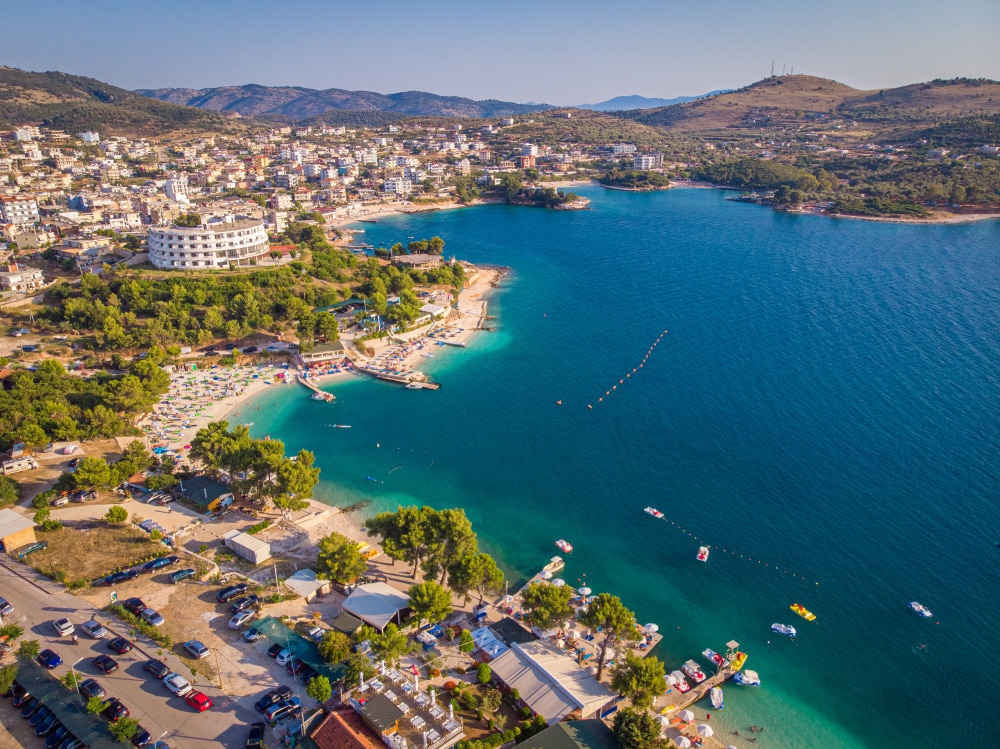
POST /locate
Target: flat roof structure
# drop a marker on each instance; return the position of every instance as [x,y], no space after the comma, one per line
[550,682]
[344,728]
[376,604]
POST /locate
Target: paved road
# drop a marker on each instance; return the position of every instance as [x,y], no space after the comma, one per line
[38,601]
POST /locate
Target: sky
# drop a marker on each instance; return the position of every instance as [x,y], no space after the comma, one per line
[547,51]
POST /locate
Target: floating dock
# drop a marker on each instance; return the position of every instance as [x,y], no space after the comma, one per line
[401,379]
[328,397]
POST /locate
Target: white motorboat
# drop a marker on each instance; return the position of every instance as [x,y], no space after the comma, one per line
[564,546]
[747,678]
[692,669]
[784,629]
[654,512]
[703,553]
[921,609]
[715,695]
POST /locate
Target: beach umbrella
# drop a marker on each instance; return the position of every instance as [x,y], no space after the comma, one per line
[584,591]
[652,628]
[664,720]
[706,730]
[686,715]
[683,742]
[545,574]
[559,582]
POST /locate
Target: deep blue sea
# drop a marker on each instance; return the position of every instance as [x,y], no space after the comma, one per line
[824,412]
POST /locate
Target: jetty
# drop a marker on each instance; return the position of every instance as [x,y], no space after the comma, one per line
[402,379]
[328,397]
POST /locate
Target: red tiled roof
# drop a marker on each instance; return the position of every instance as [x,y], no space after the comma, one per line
[344,729]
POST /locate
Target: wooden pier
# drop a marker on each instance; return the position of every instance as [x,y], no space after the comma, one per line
[401,379]
[328,397]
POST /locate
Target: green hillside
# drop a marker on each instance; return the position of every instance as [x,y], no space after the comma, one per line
[75,103]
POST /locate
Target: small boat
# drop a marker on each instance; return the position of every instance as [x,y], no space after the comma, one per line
[921,609]
[717,659]
[703,553]
[654,512]
[693,670]
[676,679]
[564,546]
[784,629]
[802,611]
[555,564]
[747,678]
[738,660]
[427,355]
[341,426]
[372,478]
[414,386]
[715,695]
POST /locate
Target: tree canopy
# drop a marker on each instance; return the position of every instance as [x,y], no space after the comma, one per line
[636,729]
[340,559]
[546,604]
[616,621]
[475,573]
[424,537]
[639,679]
[430,601]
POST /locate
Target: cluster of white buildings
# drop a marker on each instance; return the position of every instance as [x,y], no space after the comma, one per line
[59,190]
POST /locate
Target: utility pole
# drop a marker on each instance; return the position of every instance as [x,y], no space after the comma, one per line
[218,667]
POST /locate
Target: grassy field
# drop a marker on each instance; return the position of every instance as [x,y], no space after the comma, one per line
[92,549]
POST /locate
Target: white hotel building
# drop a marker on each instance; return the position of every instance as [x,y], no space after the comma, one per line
[217,243]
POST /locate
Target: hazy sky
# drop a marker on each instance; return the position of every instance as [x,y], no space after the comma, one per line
[519,50]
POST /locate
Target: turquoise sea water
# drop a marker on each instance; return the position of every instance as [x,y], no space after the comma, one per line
[825,404]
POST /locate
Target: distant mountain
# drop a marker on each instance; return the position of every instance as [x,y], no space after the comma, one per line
[803,98]
[622,103]
[74,103]
[299,103]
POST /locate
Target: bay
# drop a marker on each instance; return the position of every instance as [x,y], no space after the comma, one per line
[823,412]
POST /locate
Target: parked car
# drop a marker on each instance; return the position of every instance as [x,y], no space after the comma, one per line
[94,629]
[241,618]
[283,657]
[141,737]
[308,674]
[105,664]
[60,501]
[114,710]
[177,684]
[151,617]
[158,669]
[199,701]
[47,725]
[30,707]
[252,634]
[120,577]
[120,645]
[283,709]
[134,606]
[49,658]
[20,695]
[256,738]
[39,716]
[243,603]
[275,649]
[315,634]
[251,350]
[63,627]
[275,695]
[229,593]
[6,607]
[176,577]
[91,688]
[56,737]
[196,649]
[294,666]
[156,564]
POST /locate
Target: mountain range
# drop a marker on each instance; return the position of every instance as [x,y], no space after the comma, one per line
[622,103]
[297,103]
[76,103]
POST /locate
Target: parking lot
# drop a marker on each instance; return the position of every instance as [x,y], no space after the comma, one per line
[233,666]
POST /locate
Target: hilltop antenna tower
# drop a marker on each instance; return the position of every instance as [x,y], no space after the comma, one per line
[772,68]
[782,71]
